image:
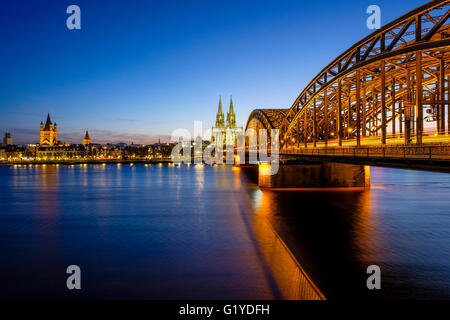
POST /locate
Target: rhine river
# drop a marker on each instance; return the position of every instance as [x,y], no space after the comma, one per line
[164,232]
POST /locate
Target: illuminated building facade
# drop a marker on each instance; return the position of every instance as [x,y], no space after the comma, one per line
[73,152]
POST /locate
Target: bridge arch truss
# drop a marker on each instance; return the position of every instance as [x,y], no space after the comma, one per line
[392,87]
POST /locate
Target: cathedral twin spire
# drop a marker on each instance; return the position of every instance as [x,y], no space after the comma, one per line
[231,117]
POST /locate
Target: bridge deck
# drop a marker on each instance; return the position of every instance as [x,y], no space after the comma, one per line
[426,157]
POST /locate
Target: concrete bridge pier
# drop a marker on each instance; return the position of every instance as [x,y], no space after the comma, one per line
[315,175]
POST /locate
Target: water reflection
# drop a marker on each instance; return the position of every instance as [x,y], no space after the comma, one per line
[292,280]
[329,232]
[48,181]
[398,224]
[202,232]
[137,232]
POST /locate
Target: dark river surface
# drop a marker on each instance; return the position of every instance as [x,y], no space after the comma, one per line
[163,232]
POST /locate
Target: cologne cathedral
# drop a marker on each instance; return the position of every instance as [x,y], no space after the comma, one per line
[226,132]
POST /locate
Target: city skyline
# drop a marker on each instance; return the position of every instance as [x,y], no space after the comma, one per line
[166,69]
[51,126]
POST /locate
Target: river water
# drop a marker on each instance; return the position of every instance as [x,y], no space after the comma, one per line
[164,232]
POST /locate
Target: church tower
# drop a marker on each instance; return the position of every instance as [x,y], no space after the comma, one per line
[231,117]
[86,139]
[220,123]
[49,133]
[8,139]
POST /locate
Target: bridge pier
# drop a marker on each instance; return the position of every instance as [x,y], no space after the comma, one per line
[315,175]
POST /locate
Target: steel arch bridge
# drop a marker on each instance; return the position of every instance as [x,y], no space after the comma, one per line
[390,88]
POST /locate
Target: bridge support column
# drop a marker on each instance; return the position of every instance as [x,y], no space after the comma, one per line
[419,99]
[407,108]
[442,95]
[383,102]
[400,111]
[305,128]
[315,175]
[448,105]
[315,123]
[364,107]
[339,114]
[326,122]
[393,107]
[358,108]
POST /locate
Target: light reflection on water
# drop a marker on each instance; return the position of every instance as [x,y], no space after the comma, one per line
[401,224]
[136,232]
[202,232]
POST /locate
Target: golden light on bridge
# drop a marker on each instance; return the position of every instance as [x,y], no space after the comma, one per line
[265,169]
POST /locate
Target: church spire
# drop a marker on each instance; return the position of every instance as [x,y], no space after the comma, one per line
[231,105]
[87,139]
[231,117]
[48,123]
[220,105]
[220,118]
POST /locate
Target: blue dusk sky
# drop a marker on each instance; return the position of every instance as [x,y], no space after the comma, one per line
[140,69]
